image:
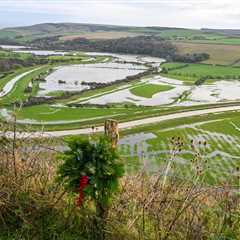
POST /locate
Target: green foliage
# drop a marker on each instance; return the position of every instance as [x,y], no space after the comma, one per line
[95,159]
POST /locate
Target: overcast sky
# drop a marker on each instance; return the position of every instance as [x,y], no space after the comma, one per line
[175,13]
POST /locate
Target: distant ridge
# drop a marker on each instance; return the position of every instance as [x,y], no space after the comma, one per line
[230,32]
[70,31]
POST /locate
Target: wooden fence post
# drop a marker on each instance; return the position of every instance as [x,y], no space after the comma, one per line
[111,131]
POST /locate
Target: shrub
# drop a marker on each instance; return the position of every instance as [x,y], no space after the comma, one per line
[93,169]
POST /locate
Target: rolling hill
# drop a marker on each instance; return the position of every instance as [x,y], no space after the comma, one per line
[28,33]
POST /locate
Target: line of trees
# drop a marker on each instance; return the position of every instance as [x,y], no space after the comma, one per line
[8,64]
[142,45]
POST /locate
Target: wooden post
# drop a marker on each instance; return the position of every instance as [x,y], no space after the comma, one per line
[111,130]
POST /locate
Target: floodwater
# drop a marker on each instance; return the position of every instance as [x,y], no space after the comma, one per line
[131,58]
[12,47]
[72,76]
[137,142]
[161,98]
[220,91]
[42,52]
[123,57]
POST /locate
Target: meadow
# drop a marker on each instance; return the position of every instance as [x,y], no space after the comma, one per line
[48,113]
[218,40]
[192,72]
[148,90]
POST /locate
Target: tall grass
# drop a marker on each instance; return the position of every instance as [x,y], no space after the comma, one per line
[158,206]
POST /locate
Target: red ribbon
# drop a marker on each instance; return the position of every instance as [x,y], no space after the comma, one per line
[82,184]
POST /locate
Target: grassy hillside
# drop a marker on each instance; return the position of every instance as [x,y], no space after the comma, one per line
[63,29]
[97,31]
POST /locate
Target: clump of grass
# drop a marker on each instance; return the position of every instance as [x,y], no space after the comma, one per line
[29,196]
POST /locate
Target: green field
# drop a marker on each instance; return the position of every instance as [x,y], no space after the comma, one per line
[148,90]
[208,70]
[178,33]
[219,40]
[58,117]
[195,71]
[173,65]
[48,113]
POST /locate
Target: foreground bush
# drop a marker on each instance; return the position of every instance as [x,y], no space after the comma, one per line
[33,205]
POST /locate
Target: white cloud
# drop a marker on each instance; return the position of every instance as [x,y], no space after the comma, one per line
[179,13]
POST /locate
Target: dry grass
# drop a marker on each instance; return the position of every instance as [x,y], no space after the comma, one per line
[219,54]
[180,210]
[100,35]
[160,206]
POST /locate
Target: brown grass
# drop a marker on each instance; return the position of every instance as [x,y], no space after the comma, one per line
[100,35]
[154,207]
[219,54]
[146,209]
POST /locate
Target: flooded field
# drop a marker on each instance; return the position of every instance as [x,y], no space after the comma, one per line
[220,91]
[118,67]
[70,78]
[161,98]
[131,58]
[42,52]
[12,47]
[181,94]
[217,140]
